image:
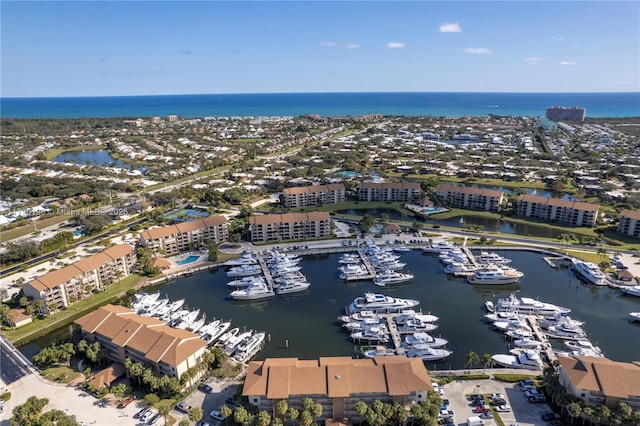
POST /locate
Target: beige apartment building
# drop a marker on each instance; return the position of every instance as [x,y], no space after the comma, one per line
[337,383]
[389,191]
[169,351]
[302,196]
[574,213]
[600,381]
[74,282]
[467,197]
[174,239]
[289,226]
[629,223]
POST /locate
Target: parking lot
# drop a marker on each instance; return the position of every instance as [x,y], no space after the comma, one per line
[522,413]
[221,390]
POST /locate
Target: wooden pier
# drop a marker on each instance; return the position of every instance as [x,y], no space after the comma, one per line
[471,257]
[371,272]
[392,328]
[537,331]
[265,271]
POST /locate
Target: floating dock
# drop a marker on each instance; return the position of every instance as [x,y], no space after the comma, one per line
[392,327]
[537,331]
[265,270]
[471,257]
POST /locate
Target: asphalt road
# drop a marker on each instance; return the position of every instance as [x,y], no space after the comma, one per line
[13,365]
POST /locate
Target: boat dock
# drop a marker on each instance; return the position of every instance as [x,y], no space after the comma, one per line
[537,331]
[471,257]
[265,270]
[371,272]
[550,260]
[392,327]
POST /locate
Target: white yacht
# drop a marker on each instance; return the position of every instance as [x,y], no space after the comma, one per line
[429,354]
[493,275]
[590,272]
[559,319]
[222,340]
[416,339]
[492,257]
[519,334]
[353,271]
[528,360]
[379,351]
[349,258]
[634,316]
[359,316]
[244,281]
[528,306]
[292,286]
[246,259]
[632,290]
[460,269]
[232,342]
[391,277]
[371,334]
[216,332]
[439,247]
[566,330]
[363,325]
[409,314]
[415,326]
[188,319]
[244,270]
[380,303]
[514,324]
[527,343]
[257,290]
[248,347]
[583,345]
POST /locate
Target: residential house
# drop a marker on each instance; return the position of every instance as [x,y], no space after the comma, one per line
[467,197]
[169,351]
[61,287]
[629,223]
[302,196]
[601,381]
[389,191]
[337,383]
[290,226]
[574,213]
[174,239]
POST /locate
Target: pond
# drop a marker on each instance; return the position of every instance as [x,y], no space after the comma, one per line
[489,224]
[98,157]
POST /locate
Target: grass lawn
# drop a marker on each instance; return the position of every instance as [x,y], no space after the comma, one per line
[60,374]
[53,153]
[58,319]
[28,228]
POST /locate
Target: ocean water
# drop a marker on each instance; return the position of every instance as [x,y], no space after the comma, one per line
[325,104]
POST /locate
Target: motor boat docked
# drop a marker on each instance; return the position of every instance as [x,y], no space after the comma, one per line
[590,272]
[349,259]
[489,306]
[566,330]
[634,316]
[292,286]
[362,325]
[528,343]
[528,306]
[379,351]
[559,319]
[371,334]
[391,277]
[492,257]
[187,320]
[439,247]
[519,334]
[216,332]
[631,290]
[246,259]
[514,324]
[460,269]
[255,291]
[353,271]
[283,270]
[527,360]
[409,314]
[401,249]
[380,303]
[429,354]
[244,270]
[502,316]
[222,340]
[583,345]
[248,347]
[359,316]
[232,342]
[417,339]
[415,326]
[244,281]
[494,275]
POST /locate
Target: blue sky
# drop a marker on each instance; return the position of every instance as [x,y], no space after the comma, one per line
[102,48]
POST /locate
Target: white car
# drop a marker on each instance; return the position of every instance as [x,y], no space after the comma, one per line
[215,414]
[503,408]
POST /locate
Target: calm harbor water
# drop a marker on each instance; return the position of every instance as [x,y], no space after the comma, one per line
[306,326]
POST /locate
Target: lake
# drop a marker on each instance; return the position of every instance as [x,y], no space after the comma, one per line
[99,157]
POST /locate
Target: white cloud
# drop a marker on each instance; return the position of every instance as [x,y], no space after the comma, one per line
[532,60]
[350,45]
[396,45]
[477,50]
[450,27]
[567,63]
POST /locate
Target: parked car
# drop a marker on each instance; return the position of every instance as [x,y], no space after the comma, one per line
[128,400]
[498,401]
[215,414]
[205,388]
[486,415]
[481,408]
[537,399]
[183,406]
[496,396]
[229,401]
[140,413]
[547,417]
[503,408]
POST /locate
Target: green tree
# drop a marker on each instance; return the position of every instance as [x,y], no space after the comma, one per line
[306,419]
[225,412]
[196,414]
[29,413]
[316,411]
[471,360]
[119,390]
[282,407]
[574,409]
[361,408]
[240,415]
[184,422]
[366,223]
[263,418]
[487,361]
[293,414]
[164,411]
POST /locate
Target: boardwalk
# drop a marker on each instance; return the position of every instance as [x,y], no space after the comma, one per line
[392,327]
[471,257]
[537,331]
[265,270]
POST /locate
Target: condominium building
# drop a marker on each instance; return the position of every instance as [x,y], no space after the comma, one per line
[629,223]
[302,196]
[600,381]
[574,213]
[389,191]
[337,383]
[467,197]
[169,351]
[174,239]
[559,113]
[61,287]
[290,226]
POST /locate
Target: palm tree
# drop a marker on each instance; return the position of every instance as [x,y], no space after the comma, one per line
[196,414]
[294,414]
[574,409]
[471,359]
[164,411]
[487,362]
[225,412]
[282,408]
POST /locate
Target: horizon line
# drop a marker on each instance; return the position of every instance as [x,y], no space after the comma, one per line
[306,93]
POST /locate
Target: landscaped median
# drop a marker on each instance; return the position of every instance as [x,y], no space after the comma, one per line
[39,328]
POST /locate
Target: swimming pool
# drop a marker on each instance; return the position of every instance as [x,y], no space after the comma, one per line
[188,260]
